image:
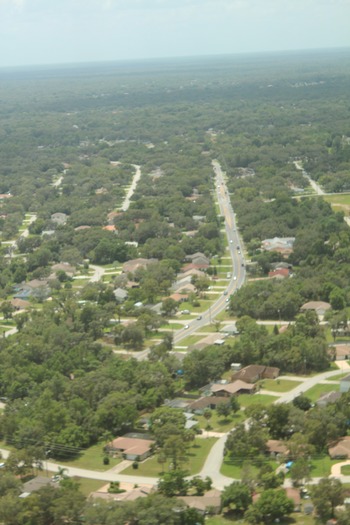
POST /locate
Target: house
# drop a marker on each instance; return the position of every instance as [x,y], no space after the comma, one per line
[109,228]
[344,384]
[229,329]
[19,304]
[120,295]
[35,288]
[35,484]
[179,297]
[64,267]
[231,389]
[294,494]
[279,273]
[339,352]
[199,218]
[328,397]
[341,449]
[253,373]
[282,245]
[133,449]
[59,218]
[320,307]
[131,492]
[211,500]
[197,258]
[190,273]
[134,264]
[276,448]
[199,405]
[193,266]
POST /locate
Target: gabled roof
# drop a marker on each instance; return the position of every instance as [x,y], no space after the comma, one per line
[131,445]
[316,305]
[232,388]
[276,446]
[341,448]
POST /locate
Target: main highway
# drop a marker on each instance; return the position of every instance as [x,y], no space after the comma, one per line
[238,272]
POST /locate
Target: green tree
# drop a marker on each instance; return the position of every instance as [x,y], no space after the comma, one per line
[236,496]
[173,483]
[326,495]
[272,505]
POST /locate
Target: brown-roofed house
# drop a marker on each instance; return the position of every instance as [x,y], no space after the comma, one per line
[231,389]
[320,307]
[253,373]
[294,494]
[134,449]
[279,273]
[131,492]
[339,352]
[205,402]
[134,264]
[211,500]
[341,449]
[276,447]
[19,304]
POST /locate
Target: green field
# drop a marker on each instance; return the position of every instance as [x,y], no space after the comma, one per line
[345,470]
[246,400]
[279,385]
[339,202]
[233,468]
[297,518]
[219,423]
[92,459]
[198,453]
[316,391]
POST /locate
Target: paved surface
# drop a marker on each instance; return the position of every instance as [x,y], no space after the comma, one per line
[317,189]
[131,190]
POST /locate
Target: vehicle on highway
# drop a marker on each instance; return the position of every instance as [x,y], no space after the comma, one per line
[227,300]
[225,292]
[186,326]
[231,241]
[199,318]
[238,248]
[235,278]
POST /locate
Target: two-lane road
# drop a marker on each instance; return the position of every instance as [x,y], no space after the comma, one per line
[238,266]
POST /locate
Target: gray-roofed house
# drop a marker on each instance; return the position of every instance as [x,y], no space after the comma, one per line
[229,329]
[59,218]
[35,484]
[120,295]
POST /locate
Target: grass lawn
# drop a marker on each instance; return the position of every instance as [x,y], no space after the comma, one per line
[233,468]
[297,518]
[92,459]
[321,466]
[190,340]
[198,453]
[338,377]
[345,470]
[279,385]
[246,400]
[220,423]
[89,485]
[316,391]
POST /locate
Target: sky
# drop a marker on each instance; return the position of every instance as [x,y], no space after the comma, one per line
[69,31]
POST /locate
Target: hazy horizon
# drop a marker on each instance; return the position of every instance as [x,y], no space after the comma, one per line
[52,32]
